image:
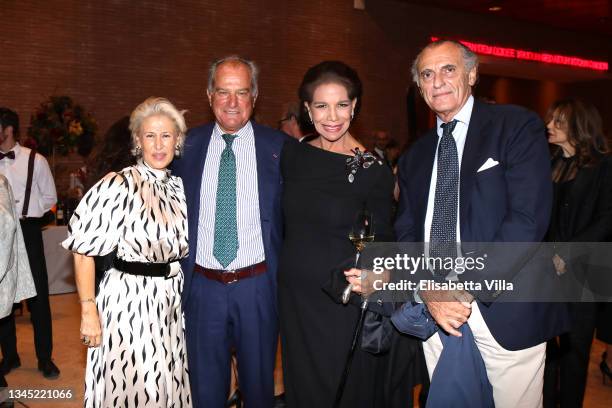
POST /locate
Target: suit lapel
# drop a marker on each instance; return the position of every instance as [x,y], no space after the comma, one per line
[203,141]
[267,166]
[424,172]
[472,158]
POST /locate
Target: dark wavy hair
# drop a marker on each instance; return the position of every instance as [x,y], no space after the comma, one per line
[584,127]
[114,154]
[8,118]
[330,72]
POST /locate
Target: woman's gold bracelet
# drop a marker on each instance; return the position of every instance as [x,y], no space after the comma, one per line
[92,300]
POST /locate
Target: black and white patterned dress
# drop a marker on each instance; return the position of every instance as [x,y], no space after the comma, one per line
[142,359]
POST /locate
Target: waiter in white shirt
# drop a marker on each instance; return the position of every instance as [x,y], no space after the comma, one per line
[34,189]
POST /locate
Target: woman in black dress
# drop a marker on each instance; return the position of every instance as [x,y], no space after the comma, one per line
[320,203]
[582,212]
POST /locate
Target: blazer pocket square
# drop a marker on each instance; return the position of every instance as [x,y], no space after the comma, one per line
[487,165]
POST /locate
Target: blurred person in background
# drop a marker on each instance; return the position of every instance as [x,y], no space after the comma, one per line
[290,123]
[582,212]
[114,154]
[33,187]
[16,281]
[392,153]
[381,141]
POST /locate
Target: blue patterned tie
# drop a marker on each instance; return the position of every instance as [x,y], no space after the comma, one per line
[225,246]
[443,234]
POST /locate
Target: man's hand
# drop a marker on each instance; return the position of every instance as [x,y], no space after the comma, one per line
[560,265]
[449,308]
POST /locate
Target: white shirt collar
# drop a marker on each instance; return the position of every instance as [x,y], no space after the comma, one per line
[462,116]
[243,131]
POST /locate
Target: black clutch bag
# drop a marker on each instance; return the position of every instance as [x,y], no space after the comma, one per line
[376,333]
[377,328]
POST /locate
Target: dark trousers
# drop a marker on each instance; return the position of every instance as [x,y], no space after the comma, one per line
[219,318]
[40,311]
[567,359]
[604,322]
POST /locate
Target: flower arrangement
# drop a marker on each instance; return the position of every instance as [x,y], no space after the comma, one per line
[61,125]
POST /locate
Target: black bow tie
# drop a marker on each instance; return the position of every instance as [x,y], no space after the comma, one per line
[9,155]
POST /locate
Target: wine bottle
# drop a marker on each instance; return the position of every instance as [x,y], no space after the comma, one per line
[59,215]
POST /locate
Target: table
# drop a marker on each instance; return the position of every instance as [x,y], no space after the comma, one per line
[60,267]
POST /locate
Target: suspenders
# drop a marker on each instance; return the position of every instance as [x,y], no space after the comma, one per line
[26,201]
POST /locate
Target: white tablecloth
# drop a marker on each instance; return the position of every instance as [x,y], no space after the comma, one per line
[59,261]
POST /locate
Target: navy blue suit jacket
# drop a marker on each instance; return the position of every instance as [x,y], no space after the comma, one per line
[268,146]
[510,202]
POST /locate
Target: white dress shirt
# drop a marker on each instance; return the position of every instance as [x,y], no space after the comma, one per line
[250,242]
[43,195]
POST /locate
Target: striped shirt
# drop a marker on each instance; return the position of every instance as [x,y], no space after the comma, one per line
[250,242]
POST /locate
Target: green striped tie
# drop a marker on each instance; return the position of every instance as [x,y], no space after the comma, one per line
[225,247]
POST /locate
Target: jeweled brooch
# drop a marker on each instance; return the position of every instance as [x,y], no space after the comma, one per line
[360,159]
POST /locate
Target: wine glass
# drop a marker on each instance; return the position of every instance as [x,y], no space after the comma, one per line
[362,231]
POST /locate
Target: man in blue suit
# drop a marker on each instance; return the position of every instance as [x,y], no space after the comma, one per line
[230,170]
[482,175]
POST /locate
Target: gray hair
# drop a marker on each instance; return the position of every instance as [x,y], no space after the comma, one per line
[470,59]
[235,59]
[157,106]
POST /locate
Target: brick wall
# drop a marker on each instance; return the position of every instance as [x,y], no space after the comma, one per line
[110,55]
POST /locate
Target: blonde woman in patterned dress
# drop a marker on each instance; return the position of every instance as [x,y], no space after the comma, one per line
[134,326]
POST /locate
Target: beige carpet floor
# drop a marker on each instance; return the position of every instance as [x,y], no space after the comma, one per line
[69,355]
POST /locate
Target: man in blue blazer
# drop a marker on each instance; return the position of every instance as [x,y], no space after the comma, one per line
[482,175]
[230,170]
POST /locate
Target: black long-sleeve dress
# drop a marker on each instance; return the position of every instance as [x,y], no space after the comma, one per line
[582,212]
[320,206]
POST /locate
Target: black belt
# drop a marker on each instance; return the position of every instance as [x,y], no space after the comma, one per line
[142,268]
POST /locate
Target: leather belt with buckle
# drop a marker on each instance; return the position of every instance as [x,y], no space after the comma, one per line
[231,276]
